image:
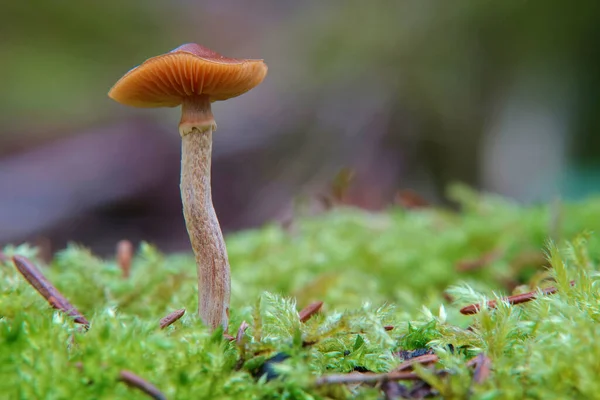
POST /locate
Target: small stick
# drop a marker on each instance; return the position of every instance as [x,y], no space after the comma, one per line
[47,290]
[482,365]
[240,333]
[516,299]
[389,327]
[356,377]
[135,381]
[171,318]
[425,359]
[124,256]
[472,361]
[310,310]
[240,343]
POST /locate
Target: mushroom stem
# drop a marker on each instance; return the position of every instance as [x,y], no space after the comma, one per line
[214,281]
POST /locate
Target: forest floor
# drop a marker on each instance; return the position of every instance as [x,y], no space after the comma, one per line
[405,303]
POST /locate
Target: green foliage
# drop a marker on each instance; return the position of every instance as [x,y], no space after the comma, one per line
[371,270]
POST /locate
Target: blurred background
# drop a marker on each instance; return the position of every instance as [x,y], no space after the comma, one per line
[503,96]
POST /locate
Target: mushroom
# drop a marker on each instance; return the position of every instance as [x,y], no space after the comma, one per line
[193,76]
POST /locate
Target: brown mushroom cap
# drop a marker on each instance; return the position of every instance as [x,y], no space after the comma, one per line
[189,70]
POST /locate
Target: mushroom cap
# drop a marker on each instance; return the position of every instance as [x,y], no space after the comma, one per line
[189,70]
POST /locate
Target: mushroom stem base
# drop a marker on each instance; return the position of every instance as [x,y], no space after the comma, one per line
[214,281]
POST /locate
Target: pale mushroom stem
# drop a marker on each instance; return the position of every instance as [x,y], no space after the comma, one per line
[214,281]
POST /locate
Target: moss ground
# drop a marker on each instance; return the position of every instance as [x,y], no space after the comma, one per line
[412,270]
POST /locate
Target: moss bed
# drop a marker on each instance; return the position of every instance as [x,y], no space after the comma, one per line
[392,286]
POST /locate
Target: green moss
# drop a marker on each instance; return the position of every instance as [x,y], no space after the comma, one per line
[371,270]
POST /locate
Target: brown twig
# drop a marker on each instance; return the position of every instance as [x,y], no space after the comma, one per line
[240,342]
[482,365]
[240,333]
[310,310]
[389,327]
[171,318]
[135,381]
[47,290]
[425,359]
[356,377]
[516,299]
[124,256]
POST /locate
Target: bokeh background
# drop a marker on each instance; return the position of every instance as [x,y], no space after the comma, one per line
[503,96]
